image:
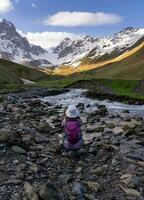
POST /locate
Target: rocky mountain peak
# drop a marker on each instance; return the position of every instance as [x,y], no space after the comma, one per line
[7,24]
[7,28]
[14,47]
[88,38]
[64,43]
[67,39]
[127,30]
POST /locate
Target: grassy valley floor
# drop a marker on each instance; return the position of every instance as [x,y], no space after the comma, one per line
[127,91]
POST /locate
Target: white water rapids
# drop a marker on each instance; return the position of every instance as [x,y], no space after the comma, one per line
[76,96]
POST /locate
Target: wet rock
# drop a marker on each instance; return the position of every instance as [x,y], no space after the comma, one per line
[94,186]
[90,197]
[17,196]
[78,189]
[93,150]
[141,163]
[44,127]
[30,192]
[135,157]
[130,180]
[27,139]
[117,131]
[18,150]
[131,192]
[110,125]
[13,182]
[126,111]
[20,175]
[6,136]
[100,171]
[49,192]
[101,112]
[32,154]
[99,129]
[82,152]
[78,170]
[88,105]
[126,127]
[65,178]
[34,168]
[81,106]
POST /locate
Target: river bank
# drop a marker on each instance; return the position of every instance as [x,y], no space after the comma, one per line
[125,91]
[33,166]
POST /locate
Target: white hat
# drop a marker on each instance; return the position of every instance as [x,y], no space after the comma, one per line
[72,111]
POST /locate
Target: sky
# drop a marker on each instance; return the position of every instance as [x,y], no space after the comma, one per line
[47,22]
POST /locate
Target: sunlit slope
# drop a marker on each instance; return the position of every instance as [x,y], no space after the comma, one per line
[11,73]
[128,66]
[66,70]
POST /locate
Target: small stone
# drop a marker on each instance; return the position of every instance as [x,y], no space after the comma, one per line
[44,127]
[90,197]
[79,169]
[117,169]
[82,151]
[130,180]
[20,175]
[32,154]
[98,171]
[30,192]
[141,163]
[94,186]
[110,125]
[65,178]
[78,189]
[92,150]
[34,168]
[15,162]
[18,150]
[14,182]
[49,192]
[131,192]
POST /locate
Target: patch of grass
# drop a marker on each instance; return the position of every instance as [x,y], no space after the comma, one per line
[9,88]
[11,73]
[2,99]
[123,87]
[60,83]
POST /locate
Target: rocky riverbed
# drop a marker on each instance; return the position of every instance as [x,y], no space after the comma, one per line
[34,166]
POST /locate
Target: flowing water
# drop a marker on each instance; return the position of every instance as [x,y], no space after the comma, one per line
[76,96]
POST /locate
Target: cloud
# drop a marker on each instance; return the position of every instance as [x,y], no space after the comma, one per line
[72,19]
[47,39]
[34,5]
[5,6]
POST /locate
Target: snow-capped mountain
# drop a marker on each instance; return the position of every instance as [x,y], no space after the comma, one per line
[16,48]
[70,52]
[73,52]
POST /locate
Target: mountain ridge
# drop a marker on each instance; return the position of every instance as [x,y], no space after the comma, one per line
[86,50]
[67,70]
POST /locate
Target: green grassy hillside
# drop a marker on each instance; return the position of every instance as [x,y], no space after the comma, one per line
[10,73]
